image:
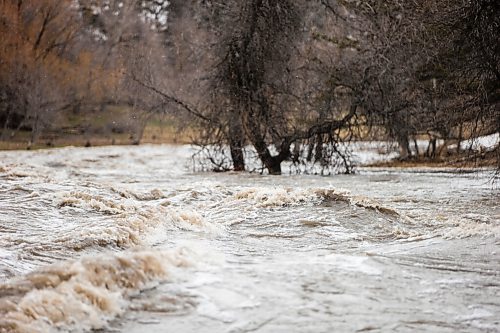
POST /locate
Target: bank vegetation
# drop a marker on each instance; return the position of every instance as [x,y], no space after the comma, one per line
[273,80]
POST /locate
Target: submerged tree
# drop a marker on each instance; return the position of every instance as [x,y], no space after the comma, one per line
[428,68]
[466,68]
[262,96]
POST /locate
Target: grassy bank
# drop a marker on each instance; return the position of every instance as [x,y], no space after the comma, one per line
[112,126]
[153,133]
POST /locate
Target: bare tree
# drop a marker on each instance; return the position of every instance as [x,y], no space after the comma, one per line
[427,67]
[258,97]
[37,60]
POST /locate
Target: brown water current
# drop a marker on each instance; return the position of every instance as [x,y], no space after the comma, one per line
[128,239]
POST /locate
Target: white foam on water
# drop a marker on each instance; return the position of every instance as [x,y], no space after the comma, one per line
[154,194]
[135,221]
[82,295]
[284,196]
[93,202]
[125,226]
[275,197]
[464,227]
[193,221]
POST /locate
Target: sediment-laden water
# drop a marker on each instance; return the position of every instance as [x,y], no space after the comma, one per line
[127,239]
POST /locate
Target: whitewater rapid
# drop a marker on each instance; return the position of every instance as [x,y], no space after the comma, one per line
[129,239]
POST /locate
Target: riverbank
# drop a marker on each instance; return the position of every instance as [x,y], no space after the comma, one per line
[488,159]
[154,133]
[372,154]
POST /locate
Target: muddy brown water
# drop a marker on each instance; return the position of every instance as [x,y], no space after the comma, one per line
[128,239]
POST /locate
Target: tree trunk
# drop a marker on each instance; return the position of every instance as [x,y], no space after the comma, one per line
[318,154]
[6,125]
[431,148]
[459,140]
[310,150]
[35,131]
[237,155]
[236,143]
[273,166]
[415,144]
[296,153]
[404,147]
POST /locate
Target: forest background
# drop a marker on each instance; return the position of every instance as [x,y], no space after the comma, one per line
[275,80]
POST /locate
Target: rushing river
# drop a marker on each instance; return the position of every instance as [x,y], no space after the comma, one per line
[127,239]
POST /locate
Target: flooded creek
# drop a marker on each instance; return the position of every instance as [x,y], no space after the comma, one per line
[128,239]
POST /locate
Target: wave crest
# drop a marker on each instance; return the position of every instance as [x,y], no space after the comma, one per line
[84,294]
